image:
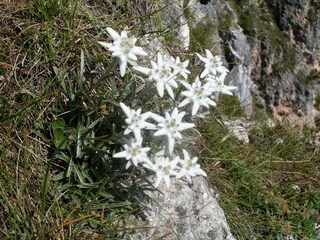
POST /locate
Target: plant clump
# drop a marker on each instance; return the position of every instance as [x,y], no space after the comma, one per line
[166,73]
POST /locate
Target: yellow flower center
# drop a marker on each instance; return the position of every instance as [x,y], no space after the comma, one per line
[135,151]
[189,165]
[214,62]
[165,73]
[166,169]
[173,123]
[126,45]
[199,91]
[135,118]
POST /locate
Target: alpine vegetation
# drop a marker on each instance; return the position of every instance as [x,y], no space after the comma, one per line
[154,140]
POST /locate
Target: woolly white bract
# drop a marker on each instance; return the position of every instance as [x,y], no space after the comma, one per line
[216,84]
[213,65]
[171,126]
[164,168]
[197,94]
[165,73]
[134,153]
[123,48]
[189,167]
[135,120]
[180,68]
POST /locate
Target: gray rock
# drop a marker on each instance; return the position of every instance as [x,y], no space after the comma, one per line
[240,73]
[285,54]
[185,211]
[239,129]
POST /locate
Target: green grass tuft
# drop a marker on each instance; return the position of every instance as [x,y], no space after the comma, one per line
[268,188]
[58,112]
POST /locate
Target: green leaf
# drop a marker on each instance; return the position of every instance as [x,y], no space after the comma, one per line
[119,204]
[59,133]
[63,156]
[113,85]
[59,138]
[76,199]
[59,123]
[106,195]
[70,168]
[78,173]
[61,75]
[92,125]
[58,177]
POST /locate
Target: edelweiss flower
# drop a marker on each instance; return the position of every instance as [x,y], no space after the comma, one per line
[171,125]
[164,168]
[162,74]
[135,120]
[180,67]
[216,84]
[213,65]
[134,153]
[196,94]
[189,167]
[123,48]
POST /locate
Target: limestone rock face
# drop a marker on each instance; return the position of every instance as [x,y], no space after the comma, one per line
[185,211]
[298,87]
[272,49]
[284,42]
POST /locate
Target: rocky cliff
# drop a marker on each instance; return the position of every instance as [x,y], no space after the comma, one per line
[285,36]
[271,47]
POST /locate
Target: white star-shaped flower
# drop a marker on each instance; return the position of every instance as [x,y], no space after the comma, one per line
[213,65]
[162,74]
[134,153]
[171,126]
[216,84]
[196,94]
[164,168]
[123,48]
[189,167]
[180,68]
[136,121]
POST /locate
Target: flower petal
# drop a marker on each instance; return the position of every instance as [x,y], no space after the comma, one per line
[160,88]
[171,143]
[122,154]
[159,178]
[208,54]
[139,51]
[167,181]
[123,67]
[126,109]
[195,108]
[184,102]
[113,33]
[144,70]
[161,132]
[105,44]
[169,90]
